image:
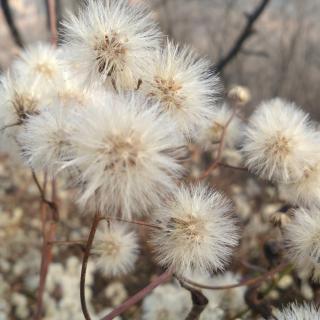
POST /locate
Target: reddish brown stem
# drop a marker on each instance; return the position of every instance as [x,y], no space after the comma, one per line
[95,222]
[49,226]
[53,22]
[164,277]
[137,222]
[248,282]
[216,163]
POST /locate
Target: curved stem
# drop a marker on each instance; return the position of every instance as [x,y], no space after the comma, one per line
[248,282]
[216,163]
[85,259]
[164,277]
[138,222]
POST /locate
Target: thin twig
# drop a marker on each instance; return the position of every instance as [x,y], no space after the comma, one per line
[216,163]
[95,222]
[137,222]
[10,22]
[247,282]
[243,36]
[164,277]
[51,204]
[10,126]
[226,165]
[53,22]
[199,301]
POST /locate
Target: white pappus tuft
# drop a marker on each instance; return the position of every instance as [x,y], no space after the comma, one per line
[302,239]
[19,99]
[40,60]
[212,134]
[306,190]
[180,81]
[280,142]
[111,40]
[299,312]
[128,155]
[44,139]
[167,302]
[116,248]
[197,231]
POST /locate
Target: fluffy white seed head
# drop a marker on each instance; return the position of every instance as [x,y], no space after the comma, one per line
[111,40]
[280,142]
[116,248]
[197,231]
[299,312]
[306,190]
[44,139]
[40,60]
[128,155]
[213,133]
[302,238]
[167,302]
[19,99]
[179,80]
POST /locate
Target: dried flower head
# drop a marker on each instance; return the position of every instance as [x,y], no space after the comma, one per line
[167,302]
[212,134]
[116,248]
[299,312]
[280,142]
[19,99]
[44,139]
[111,40]
[197,231]
[180,81]
[302,237]
[128,155]
[306,190]
[40,60]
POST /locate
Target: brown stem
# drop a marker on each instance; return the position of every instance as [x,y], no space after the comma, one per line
[49,232]
[53,22]
[248,282]
[95,222]
[164,277]
[216,163]
[226,165]
[199,302]
[140,223]
[51,204]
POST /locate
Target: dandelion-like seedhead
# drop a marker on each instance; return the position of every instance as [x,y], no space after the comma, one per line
[306,190]
[116,248]
[212,134]
[111,40]
[197,231]
[40,61]
[44,139]
[302,238]
[299,312]
[19,99]
[128,155]
[280,142]
[180,81]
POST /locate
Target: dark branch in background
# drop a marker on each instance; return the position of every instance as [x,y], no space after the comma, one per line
[10,22]
[244,35]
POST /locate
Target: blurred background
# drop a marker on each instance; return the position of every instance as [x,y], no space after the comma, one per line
[278,54]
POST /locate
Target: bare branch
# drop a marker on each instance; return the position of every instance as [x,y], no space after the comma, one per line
[243,36]
[10,21]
